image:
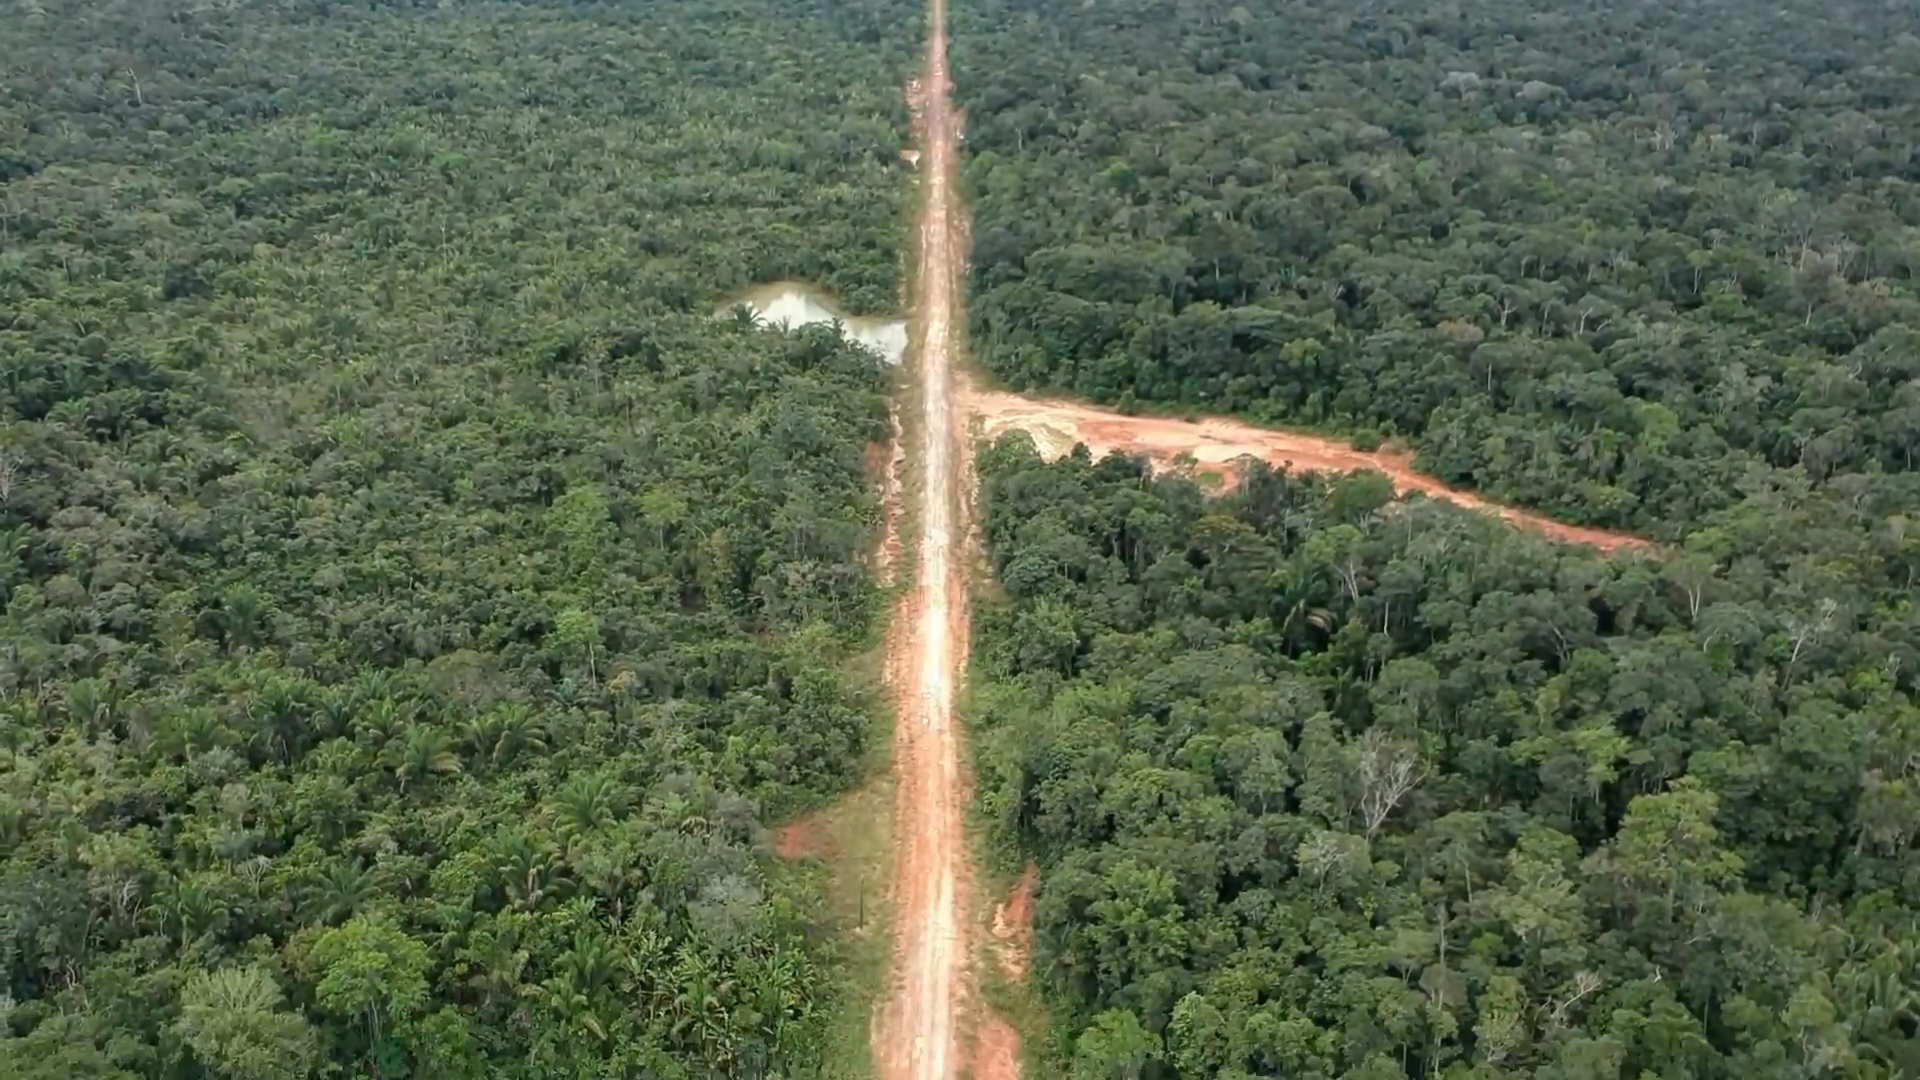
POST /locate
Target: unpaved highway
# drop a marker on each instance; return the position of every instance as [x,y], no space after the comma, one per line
[915,1036]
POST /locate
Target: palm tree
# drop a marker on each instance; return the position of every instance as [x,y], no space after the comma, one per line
[240,614]
[520,733]
[192,731]
[19,721]
[192,908]
[1296,606]
[376,721]
[338,891]
[499,734]
[589,801]
[744,317]
[607,869]
[90,702]
[526,869]
[496,958]
[373,684]
[335,711]
[276,711]
[420,751]
[584,969]
[778,992]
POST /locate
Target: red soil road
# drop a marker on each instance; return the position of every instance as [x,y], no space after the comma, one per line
[914,1038]
[1214,445]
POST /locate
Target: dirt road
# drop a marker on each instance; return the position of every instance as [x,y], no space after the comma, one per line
[1214,445]
[915,1038]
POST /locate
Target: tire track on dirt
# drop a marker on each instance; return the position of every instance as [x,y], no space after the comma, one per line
[915,1036]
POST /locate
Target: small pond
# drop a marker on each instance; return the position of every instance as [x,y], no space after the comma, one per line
[794,304]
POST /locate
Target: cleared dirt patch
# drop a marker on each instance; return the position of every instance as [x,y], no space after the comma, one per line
[1013,925]
[884,462]
[848,844]
[996,1041]
[996,1050]
[1214,446]
[799,840]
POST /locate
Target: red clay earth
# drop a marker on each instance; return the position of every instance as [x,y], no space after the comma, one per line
[798,840]
[914,1036]
[1215,445]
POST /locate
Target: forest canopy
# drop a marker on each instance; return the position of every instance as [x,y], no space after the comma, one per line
[1324,783]
[415,599]
[1604,259]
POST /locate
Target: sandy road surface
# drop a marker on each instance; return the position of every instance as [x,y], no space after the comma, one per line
[1214,445]
[915,1038]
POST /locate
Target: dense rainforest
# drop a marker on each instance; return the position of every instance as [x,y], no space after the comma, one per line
[415,599]
[1322,783]
[1603,259]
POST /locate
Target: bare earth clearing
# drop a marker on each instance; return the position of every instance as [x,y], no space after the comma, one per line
[1214,445]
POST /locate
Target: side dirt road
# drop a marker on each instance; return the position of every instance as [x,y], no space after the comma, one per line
[1214,445]
[915,1034]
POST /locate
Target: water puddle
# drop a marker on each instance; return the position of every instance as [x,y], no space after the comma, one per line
[793,304]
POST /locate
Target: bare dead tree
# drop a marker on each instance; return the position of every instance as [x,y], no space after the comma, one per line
[1584,983]
[1349,574]
[1806,632]
[11,462]
[1389,769]
[1692,574]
